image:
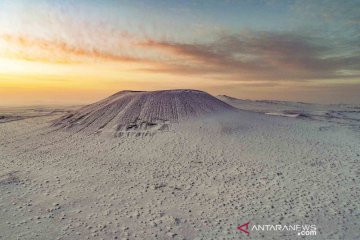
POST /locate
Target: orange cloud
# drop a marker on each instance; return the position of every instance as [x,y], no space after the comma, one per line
[42,50]
[255,56]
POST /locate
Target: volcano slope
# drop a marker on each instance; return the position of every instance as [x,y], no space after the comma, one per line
[201,179]
[142,112]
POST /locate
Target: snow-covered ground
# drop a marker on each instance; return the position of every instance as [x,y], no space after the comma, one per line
[198,178]
[348,114]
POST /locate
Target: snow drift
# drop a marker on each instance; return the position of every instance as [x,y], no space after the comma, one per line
[139,110]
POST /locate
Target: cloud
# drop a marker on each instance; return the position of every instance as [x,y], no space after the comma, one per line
[248,55]
[271,55]
[36,49]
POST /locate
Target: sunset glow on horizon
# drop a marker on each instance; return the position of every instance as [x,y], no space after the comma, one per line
[68,52]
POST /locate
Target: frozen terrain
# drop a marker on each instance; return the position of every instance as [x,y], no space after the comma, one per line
[340,113]
[8,114]
[71,175]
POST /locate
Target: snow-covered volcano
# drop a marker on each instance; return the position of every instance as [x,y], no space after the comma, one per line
[140,110]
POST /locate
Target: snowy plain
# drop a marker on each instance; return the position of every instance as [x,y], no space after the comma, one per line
[197,178]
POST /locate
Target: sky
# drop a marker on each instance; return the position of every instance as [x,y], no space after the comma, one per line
[77,52]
